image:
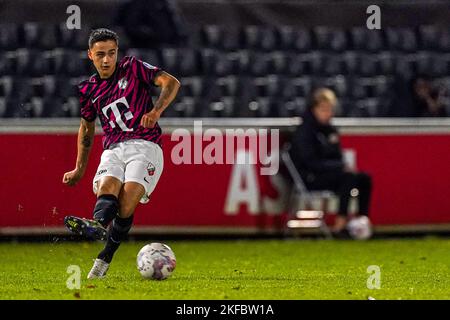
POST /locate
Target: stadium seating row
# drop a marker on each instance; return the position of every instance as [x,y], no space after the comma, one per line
[429,37]
[268,86]
[227,106]
[190,62]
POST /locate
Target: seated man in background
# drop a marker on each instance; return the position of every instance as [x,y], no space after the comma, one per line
[317,154]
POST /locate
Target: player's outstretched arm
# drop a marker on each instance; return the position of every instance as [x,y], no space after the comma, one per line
[169,88]
[85,140]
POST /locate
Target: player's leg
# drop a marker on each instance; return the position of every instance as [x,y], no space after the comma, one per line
[143,170]
[107,205]
[107,184]
[129,197]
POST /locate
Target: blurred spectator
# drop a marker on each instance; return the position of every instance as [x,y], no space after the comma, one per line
[150,24]
[417,97]
[317,154]
[426,99]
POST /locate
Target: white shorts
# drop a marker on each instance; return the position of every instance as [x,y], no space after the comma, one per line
[134,160]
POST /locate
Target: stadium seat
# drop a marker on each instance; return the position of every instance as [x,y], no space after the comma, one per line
[260,37]
[339,84]
[279,62]
[74,38]
[191,86]
[386,63]
[208,61]
[260,64]
[3,107]
[297,87]
[150,56]
[231,39]
[364,39]
[229,63]
[333,64]
[403,39]
[305,64]
[329,38]
[31,35]
[212,36]
[189,62]
[429,37]
[368,107]
[49,38]
[293,107]
[405,65]
[223,107]
[257,107]
[368,65]
[269,86]
[184,107]
[8,63]
[252,37]
[286,37]
[445,40]
[170,60]
[302,40]
[9,36]
[11,108]
[269,38]
[21,88]
[6,86]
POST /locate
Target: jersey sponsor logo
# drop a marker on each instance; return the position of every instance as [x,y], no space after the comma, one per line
[150,169]
[116,107]
[123,83]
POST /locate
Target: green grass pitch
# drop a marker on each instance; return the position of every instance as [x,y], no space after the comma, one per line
[236,269]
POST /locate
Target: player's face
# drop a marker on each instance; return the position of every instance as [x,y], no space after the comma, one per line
[323,112]
[104,56]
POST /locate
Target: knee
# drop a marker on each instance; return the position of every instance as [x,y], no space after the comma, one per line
[108,185]
[105,188]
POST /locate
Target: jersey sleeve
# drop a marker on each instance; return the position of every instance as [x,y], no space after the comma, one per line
[87,109]
[144,71]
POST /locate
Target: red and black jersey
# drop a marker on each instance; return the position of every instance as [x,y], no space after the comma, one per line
[120,101]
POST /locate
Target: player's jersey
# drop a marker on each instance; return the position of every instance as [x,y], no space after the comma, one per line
[120,101]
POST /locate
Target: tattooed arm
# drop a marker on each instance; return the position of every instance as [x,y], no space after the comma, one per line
[85,140]
[169,88]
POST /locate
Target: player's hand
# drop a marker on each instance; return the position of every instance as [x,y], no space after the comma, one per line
[149,119]
[71,178]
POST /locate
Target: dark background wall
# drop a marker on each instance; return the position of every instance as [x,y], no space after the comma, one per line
[235,12]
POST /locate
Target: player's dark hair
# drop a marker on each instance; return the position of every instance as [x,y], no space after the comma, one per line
[102,34]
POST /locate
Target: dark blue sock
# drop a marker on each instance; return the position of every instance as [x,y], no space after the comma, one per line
[116,233]
[106,209]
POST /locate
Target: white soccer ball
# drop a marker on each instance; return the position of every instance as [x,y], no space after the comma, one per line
[360,228]
[156,261]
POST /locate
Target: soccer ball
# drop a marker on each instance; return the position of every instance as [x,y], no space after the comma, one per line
[156,261]
[360,228]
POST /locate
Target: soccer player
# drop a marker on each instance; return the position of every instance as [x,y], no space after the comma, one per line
[132,160]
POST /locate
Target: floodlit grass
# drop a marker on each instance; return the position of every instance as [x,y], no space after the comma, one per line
[246,269]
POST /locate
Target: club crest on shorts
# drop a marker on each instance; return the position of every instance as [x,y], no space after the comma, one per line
[150,169]
[123,83]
